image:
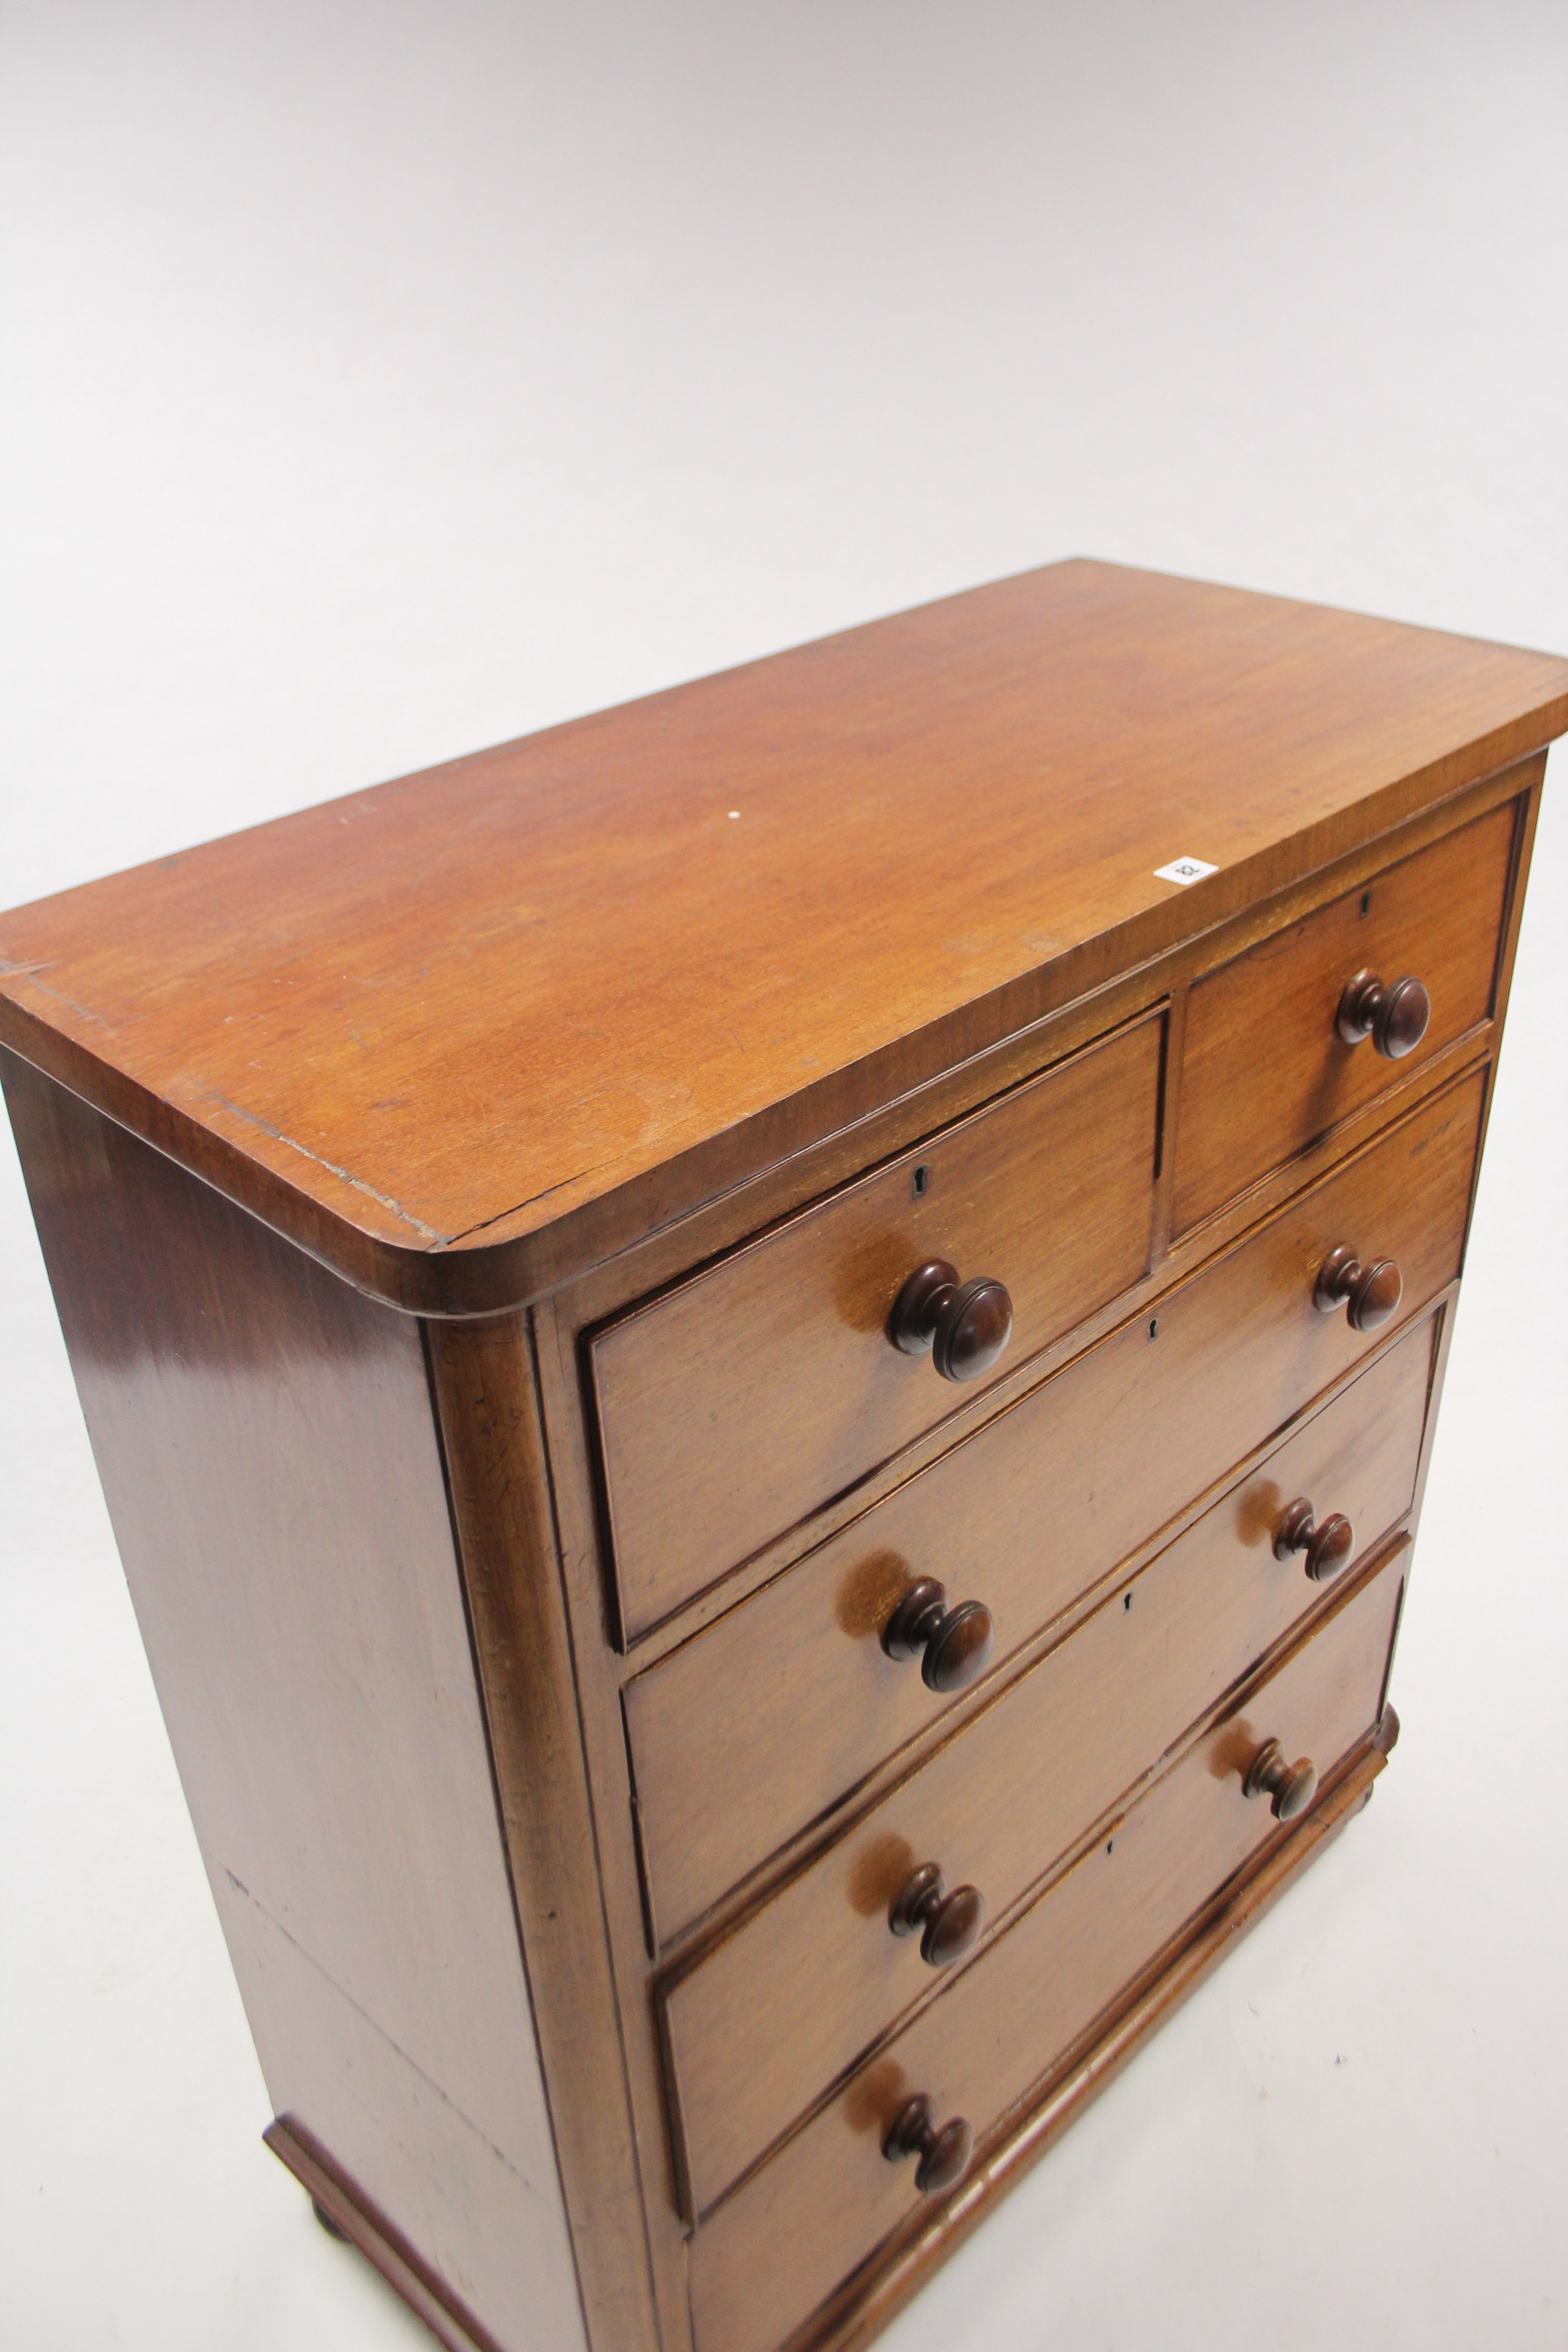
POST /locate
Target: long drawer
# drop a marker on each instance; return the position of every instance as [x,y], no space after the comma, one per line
[1264,1069]
[829,2197]
[735,1404]
[760,1724]
[778,2010]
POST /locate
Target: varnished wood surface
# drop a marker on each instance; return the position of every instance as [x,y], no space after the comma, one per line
[376,978]
[744,1735]
[875,2293]
[351,2216]
[417,2164]
[483,1379]
[598,1668]
[782,2242]
[778,2010]
[1264,1069]
[560,985]
[734,1404]
[670,1254]
[268,1449]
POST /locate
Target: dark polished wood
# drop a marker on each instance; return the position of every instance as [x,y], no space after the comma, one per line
[751,1545]
[944,2149]
[1369,1294]
[965,1326]
[1395,1016]
[947,1920]
[1290,1788]
[1329,1544]
[953,1644]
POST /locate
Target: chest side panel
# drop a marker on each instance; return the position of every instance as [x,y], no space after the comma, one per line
[268,1450]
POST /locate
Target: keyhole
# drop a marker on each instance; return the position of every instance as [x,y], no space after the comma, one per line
[922,1177]
[1366,902]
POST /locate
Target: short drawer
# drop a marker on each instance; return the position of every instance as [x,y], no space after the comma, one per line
[825,2202]
[757,1726]
[733,1406]
[777,2011]
[1264,1070]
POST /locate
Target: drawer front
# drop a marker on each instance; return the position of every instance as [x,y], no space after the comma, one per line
[758,1725]
[733,1406]
[1264,1069]
[779,2009]
[769,2254]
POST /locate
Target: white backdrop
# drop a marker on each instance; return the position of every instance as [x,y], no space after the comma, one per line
[380,382]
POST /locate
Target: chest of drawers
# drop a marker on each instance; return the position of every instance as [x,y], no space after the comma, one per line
[765,1368]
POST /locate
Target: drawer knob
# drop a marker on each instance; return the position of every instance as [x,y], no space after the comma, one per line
[947,1925]
[1370,1293]
[956,1641]
[1290,1787]
[1327,1547]
[943,2155]
[965,1325]
[1394,1018]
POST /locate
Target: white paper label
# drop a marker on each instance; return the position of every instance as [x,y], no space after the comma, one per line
[1184,870]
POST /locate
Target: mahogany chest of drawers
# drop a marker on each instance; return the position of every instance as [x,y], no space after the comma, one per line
[765,1368]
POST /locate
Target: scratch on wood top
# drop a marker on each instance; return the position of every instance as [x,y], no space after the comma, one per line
[253,1118]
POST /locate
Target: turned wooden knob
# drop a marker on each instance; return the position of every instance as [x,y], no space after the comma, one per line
[1395,1017]
[1369,1293]
[956,1641]
[947,1925]
[1327,1547]
[1290,1787]
[965,1325]
[943,2155]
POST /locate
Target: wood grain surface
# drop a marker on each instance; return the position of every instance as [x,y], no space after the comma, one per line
[584,981]
[735,1403]
[643,1060]
[876,2291]
[779,2009]
[1264,1070]
[757,1726]
[268,1447]
[782,2242]
[383,2243]
[483,1375]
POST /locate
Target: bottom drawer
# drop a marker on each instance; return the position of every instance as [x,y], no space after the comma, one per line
[773,2251]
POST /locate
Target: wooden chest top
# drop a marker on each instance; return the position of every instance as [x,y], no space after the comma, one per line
[465,1033]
